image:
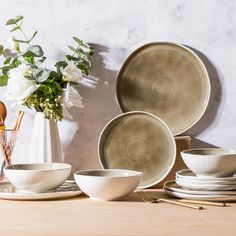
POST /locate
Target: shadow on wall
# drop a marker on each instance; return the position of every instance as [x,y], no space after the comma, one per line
[214,102]
[100,106]
[197,143]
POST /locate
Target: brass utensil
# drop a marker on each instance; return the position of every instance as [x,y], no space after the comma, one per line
[146,198]
[18,120]
[209,203]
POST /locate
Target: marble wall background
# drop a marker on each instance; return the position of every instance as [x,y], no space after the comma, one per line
[115,28]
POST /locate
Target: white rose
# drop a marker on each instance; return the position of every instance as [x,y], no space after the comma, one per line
[70,97]
[18,87]
[72,73]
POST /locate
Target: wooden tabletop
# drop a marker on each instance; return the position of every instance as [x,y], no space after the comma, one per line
[82,216]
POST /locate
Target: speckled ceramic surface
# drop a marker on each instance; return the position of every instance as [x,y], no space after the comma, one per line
[166,79]
[138,141]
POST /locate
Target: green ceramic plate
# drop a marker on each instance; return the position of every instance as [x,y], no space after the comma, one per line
[138,141]
[165,79]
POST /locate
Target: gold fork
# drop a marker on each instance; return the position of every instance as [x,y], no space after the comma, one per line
[146,198]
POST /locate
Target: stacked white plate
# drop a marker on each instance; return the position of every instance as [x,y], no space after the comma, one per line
[188,185]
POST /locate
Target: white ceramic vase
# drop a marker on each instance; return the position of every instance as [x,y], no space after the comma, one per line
[45,143]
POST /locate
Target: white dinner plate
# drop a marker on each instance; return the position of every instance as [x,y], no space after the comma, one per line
[67,190]
[204,186]
[188,175]
[173,186]
[218,198]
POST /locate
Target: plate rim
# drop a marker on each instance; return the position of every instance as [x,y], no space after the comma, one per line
[154,43]
[18,196]
[185,171]
[155,117]
[197,192]
[217,197]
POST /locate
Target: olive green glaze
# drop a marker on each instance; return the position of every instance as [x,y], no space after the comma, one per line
[138,141]
[165,79]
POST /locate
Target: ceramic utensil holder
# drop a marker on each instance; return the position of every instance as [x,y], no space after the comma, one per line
[45,143]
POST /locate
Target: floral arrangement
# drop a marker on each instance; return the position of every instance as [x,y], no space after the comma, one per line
[30,84]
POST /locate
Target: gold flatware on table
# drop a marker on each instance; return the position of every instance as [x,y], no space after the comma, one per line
[146,198]
[209,203]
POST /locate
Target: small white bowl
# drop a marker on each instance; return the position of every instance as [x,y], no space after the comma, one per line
[109,184]
[210,162]
[37,178]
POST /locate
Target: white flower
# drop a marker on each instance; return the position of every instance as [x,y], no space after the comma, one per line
[18,87]
[70,97]
[72,73]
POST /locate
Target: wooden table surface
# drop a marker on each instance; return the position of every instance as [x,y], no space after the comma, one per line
[82,216]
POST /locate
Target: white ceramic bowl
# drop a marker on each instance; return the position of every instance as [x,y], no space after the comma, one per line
[37,178]
[210,162]
[109,184]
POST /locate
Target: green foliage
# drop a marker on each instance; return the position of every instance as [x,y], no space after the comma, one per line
[3,80]
[47,98]
[1,49]
[81,54]
[14,20]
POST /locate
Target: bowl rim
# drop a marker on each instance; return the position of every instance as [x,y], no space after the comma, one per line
[64,166]
[225,152]
[134,173]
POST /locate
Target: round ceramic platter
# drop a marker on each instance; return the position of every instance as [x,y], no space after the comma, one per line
[138,141]
[218,198]
[165,79]
[211,187]
[67,190]
[173,186]
[188,175]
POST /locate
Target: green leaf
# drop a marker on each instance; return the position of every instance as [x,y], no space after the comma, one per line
[42,59]
[33,36]
[83,68]
[7,61]
[18,18]
[21,41]
[33,51]
[14,20]
[15,28]
[1,49]
[72,48]
[3,80]
[71,58]
[42,76]
[60,64]
[5,70]
[15,63]
[81,42]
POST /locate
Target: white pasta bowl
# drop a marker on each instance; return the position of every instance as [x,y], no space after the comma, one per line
[109,184]
[37,178]
[210,162]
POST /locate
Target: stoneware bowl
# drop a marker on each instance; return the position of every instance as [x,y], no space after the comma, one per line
[37,178]
[107,185]
[210,162]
